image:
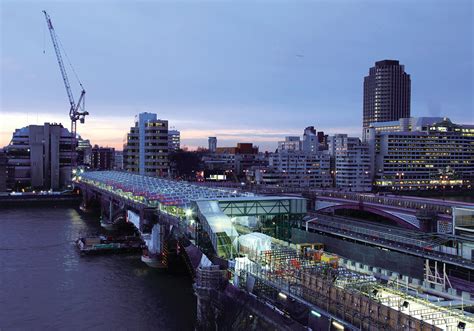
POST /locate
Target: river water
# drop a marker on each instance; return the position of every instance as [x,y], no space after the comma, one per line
[46,285]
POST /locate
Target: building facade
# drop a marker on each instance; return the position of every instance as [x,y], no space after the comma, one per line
[118,160]
[351,163]
[300,169]
[40,157]
[174,140]
[233,161]
[146,147]
[212,141]
[310,141]
[84,152]
[102,158]
[292,143]
[426,155]
[387,93]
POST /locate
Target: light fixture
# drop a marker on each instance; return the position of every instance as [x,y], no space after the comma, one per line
[315,313]
[337,325]
[282,295]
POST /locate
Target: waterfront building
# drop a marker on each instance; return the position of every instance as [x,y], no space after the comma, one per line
[351,163]
[292,143]
[40,157]
[103,158]
[174,140]
[301,169]
[146,147]
[310,141]
[387,93]
[212,141]
[422,153]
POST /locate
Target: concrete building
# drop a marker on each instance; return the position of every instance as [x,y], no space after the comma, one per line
[3,170]
[39,157]
[292,143]
[118,160]
[310,143]
[174,140]
[103,158]
[300,169]
[387,93]
[422,154]
[212,141]
[146,148]
[351,163]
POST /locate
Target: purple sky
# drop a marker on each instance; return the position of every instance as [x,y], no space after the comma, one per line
[241,70]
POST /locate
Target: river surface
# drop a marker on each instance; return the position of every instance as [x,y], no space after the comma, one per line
[46,285]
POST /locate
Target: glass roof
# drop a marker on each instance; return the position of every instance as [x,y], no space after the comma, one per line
[165,191]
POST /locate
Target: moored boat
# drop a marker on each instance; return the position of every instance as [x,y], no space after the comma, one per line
[102,245]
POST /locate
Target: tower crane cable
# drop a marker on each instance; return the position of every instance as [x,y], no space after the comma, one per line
[69,61]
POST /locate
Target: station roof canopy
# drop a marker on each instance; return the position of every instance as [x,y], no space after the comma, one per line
[165,191]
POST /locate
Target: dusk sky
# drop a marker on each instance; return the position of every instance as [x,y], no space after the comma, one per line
[242,71]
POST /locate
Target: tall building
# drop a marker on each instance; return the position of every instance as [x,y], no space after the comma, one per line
[102,158]
[422,153]
[351,163]
[212,141]
[174,140]
[292,143]
[146,148]
[39,157]
[310,142]
[387,91]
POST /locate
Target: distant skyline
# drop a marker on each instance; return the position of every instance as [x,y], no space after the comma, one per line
[242,71]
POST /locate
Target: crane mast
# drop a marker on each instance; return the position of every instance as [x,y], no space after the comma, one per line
[76,111]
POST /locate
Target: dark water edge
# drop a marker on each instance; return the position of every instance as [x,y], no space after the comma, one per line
[46,285]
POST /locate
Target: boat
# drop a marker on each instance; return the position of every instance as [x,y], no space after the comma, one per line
[103,244]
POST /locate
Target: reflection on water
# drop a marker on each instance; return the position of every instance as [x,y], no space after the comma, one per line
[45,284]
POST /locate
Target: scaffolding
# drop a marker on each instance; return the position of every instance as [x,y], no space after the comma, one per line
[359,299]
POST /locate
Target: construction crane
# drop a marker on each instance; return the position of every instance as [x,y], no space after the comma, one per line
[76,111]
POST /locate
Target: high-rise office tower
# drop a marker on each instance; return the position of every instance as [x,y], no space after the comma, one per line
[386,93]
[146,148]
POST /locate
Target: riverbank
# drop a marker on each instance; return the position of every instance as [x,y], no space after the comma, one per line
[39,200]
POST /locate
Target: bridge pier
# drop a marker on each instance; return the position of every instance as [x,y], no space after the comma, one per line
[87,200]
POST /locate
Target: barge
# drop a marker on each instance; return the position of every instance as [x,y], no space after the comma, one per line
[103,245]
